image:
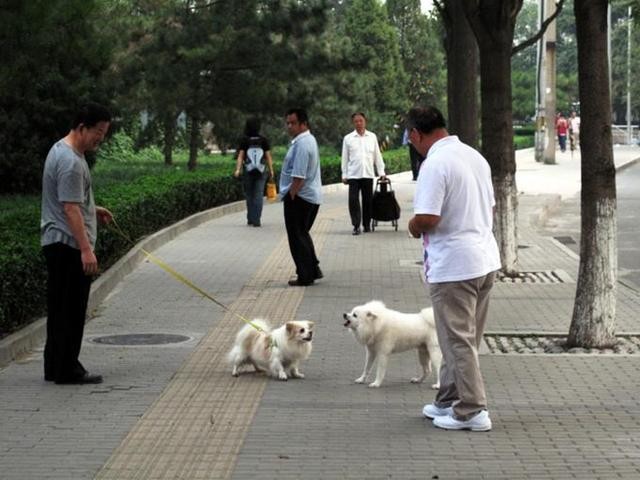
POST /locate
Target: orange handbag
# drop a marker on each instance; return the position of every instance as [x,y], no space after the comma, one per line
[272,191]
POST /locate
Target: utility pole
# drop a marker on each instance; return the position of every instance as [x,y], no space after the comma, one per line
[629,133]
[550,84]
[541,126]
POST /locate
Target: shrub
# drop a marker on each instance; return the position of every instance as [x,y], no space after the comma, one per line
[520,142]
[22,268]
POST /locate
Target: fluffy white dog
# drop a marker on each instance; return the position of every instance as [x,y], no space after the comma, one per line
[275,351]
[384,331]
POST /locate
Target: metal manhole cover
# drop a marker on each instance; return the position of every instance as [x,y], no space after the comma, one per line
[141,339]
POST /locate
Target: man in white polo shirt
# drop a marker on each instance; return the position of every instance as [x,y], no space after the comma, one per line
[453,210]
[360,154]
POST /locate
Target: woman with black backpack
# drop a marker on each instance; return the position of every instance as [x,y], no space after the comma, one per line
[254,154]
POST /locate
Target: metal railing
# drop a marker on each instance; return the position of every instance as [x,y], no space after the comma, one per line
[622,136]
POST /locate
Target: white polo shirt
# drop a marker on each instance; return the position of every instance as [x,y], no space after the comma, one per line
[455,184]
[359,155]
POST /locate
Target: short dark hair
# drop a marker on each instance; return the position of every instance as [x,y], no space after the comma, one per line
[301,114]
[355,114]
[252,127]
[425,119]
[89,115]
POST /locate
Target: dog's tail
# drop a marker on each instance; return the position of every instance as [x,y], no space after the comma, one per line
[427,314]
[237,353]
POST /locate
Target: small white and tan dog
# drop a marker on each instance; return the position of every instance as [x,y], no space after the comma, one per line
[384,331]
[277,352]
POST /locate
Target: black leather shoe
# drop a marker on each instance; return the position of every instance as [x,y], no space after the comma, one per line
[319,274]
[356,231]
[298,283]
[367,229]
[85,378]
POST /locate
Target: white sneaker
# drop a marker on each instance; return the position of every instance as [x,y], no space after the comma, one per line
[431,411]
[478,423]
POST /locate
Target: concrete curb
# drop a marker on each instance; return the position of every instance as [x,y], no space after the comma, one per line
[627,164]
[21,342]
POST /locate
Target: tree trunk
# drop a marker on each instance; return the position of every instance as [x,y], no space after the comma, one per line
[493,23]
[169,133]
[594,311]
[194,142]
[497,147]
[462,73]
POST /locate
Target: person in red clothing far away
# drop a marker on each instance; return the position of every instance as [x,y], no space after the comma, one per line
[562,126]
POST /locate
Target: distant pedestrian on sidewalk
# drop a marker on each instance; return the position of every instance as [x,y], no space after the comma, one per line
[415,159]
[453,209]
[301,192]
[562,127]
[68,236]
[361,159]
[574,130]
[254,163]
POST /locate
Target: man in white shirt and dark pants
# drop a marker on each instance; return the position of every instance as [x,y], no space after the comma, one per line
[453,209]
[360,154]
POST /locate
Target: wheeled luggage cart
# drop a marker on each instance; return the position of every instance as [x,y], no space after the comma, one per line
[384,206]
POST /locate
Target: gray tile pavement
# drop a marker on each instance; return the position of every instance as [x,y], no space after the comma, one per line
[175,412]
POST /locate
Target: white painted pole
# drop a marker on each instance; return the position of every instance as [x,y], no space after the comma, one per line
[629,134]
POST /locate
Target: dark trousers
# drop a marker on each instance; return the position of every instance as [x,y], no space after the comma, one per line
[416,161]
[299,216]
[67,296]
[254,193]
[358,186]
[562,139]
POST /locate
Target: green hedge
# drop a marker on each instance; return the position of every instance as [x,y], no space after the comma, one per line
[141,207]
[524,141]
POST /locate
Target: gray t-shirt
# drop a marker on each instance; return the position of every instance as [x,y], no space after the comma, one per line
[66,178]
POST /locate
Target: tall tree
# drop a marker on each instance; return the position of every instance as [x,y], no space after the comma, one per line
[524,62]
[594,311]
[462,71]
[421,52]
[493,23]
[53,58]
[379,86]
[207,58]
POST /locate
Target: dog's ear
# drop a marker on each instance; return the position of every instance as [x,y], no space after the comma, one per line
[311,324]
[290,326]
[371,315]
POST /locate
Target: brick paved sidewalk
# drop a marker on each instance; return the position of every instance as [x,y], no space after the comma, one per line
[175,412]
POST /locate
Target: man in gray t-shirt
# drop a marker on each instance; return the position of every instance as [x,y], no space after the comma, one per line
[68,227]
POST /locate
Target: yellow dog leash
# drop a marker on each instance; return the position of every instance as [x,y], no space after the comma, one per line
[114,227]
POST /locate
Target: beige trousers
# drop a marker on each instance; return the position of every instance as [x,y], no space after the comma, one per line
[460,310]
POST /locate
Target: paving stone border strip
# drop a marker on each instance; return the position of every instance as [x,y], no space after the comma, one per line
[542,276]
[195,429]
[545,344]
